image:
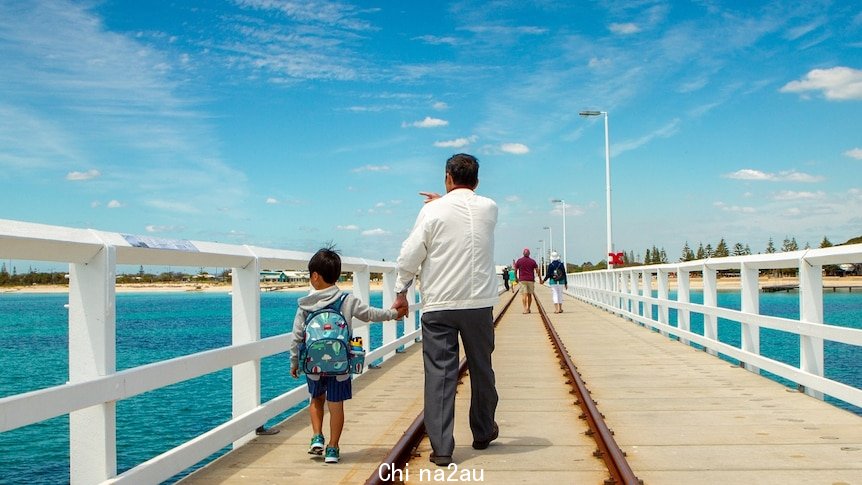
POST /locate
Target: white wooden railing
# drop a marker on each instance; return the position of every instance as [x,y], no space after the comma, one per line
[628,292]
[94,387]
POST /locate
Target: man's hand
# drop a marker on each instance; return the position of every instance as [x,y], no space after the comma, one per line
[429,196]
[400,304]
[294,371]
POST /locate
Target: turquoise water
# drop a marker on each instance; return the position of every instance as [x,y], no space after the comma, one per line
[150,327]
[158,326]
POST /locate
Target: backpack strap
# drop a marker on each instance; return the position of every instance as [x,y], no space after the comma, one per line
[336,305]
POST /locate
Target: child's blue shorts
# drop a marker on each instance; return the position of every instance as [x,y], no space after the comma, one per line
[335,390]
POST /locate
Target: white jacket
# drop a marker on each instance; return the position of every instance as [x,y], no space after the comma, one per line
[451,249]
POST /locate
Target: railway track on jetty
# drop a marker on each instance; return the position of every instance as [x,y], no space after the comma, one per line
[607,450]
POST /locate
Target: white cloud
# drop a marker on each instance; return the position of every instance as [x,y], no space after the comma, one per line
[836,84]
[624,29]
[734,208]
[435,40]
[440,106]
[515,148]
[375,232]
[792,195]
[154,228]
[271,200]
[456,143]
[89,174]
[349,227]
[428,122]
[114,204]
[372,168]
[854,153]
[665,131]
[513,198]
[596,63]
[784,176]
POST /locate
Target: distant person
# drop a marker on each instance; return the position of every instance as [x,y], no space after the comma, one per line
[528,273]
[324,268]
[556,275]
[513,277]
[451,250]
[505,274]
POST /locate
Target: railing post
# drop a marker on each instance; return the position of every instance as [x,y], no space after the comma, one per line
[663,295]
[362,290]
[93,353]
[411,315]
[245,328]
[750,296]
[683,295]
[633,291]
[390,331]
[710,300]
[647,293]
[811,311]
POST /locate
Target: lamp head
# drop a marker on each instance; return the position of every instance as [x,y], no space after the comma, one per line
[590,113]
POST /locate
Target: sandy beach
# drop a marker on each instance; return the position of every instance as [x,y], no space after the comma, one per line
[175,287]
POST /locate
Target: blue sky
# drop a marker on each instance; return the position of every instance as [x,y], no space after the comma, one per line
[291,123]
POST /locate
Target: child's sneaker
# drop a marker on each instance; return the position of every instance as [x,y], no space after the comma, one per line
[332,454]
[316,447]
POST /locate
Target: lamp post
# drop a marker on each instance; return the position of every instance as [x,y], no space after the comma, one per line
[550,238]
[607,179]
[565,258]
[542,258]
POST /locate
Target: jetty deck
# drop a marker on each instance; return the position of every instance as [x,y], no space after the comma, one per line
[680,414]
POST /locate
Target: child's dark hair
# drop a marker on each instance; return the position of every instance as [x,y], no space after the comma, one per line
[327,263]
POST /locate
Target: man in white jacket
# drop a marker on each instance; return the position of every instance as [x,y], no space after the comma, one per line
[451,251]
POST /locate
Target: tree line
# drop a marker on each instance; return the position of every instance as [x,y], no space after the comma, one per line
[655,255]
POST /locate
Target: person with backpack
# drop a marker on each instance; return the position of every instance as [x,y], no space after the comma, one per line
[321,347]
[556,274]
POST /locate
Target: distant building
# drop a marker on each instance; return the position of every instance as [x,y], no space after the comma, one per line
[282,276]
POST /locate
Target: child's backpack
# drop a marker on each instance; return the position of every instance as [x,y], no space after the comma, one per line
[326,349]
[558,274]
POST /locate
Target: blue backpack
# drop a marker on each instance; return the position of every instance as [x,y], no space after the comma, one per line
[326,349]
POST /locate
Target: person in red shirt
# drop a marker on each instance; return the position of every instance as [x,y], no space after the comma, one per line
[527,272]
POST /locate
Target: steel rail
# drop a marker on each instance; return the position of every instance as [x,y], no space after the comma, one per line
[401,453]
[608,450]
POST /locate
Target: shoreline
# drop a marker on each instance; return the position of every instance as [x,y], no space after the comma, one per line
[176,288]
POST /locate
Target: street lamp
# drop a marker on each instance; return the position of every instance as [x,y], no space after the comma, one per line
[607,180]
[563,202]
[550,238]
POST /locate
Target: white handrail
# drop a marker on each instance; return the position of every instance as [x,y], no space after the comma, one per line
[95,386]
[628,291]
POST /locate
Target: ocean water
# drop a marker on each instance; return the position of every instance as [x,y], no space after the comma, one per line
[150,327]
[157,326]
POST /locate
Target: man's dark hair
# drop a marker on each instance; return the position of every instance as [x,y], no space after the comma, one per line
[464,169]
[327,263]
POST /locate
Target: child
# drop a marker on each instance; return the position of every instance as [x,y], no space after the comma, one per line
[324,268]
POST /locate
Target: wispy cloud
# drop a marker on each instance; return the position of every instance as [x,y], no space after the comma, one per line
[665,131]
[440,106]
[88,175]
[854,153]
[457,142]
[784,176]
[349,227]
[375,232]
[115,204]
[371,168]
[154,228]
[734,208]
[428,122]
[173,206]
[835,84]
[435,40]
[271,200]
[792,195]
[624,29]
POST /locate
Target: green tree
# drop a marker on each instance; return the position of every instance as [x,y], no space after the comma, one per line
[825,243]
[789,245]
[721,250]
[687,253]
[701,254]
[739,249]
[770,247]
